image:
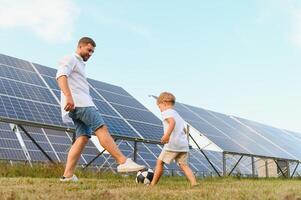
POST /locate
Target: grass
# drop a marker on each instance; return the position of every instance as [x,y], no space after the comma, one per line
[41,182]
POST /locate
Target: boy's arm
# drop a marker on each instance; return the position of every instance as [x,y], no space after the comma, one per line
[171,125]
[63,84]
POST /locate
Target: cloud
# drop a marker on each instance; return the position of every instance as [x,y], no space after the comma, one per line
[51,20]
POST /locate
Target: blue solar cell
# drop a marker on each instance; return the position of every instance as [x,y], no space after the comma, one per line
[51,82]
[61,148]
[108,87]
[18,109]
[90,151]
[12,154]
[51,72]
[60,142]
[39,156]
[59,139]
[40,138]
[26,91]
[57,94]
[20,75]
[15,62]
[148,131]
[228,144]
[118,127]
[94,95]
[104,108]
[120,99]
[138,115]
[9,143]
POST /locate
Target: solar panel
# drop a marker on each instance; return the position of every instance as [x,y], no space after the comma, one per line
[10,148]
[285,142]
[229,134]
[24,96]
[29,93]
[108,87]
[40,138]
[16,74]
[15,62]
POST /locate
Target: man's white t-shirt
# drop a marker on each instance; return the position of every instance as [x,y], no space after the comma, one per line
[73,67]
[178,140]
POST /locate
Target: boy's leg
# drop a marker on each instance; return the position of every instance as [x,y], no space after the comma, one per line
[107,142]
[158,172]
[74,154]
[188,173]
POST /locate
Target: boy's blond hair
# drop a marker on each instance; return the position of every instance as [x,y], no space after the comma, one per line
[166,97]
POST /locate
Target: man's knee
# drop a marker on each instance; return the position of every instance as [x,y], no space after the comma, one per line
[102,129]
[82,139]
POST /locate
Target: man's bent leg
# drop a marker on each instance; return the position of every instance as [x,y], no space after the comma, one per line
[107,142]
[74,154]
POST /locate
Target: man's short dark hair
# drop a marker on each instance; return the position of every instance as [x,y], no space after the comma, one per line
[86,40]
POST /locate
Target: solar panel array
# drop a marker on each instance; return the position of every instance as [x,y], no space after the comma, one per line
[10,148]
[29,95]
[239,135]
[24,96]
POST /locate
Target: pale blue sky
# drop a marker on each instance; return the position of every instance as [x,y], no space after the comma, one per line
[236,57]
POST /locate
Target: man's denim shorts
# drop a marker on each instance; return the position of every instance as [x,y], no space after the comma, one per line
[86,120]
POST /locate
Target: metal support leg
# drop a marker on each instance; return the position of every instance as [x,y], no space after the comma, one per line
[235,165]
[253,166]
[211,164]
[224,165]
[288,171]
[33,140]
[135,151]
[295,170]
[88,164]
[73,137]
[266,169]
[283,174]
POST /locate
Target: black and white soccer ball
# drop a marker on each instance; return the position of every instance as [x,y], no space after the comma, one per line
[145,176]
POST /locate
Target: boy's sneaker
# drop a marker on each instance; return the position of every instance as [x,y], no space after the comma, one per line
[71,179]
[129,166]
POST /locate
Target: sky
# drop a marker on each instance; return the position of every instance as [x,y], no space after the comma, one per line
[235,57]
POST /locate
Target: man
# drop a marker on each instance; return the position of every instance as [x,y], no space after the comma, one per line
[77,107]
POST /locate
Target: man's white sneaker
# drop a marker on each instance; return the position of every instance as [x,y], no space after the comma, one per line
[71,179]
[129,166]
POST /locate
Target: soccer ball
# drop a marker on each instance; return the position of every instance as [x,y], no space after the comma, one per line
[145,176]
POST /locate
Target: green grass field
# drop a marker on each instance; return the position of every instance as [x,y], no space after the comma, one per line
[41,182]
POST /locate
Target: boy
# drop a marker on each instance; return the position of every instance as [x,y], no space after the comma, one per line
[175,140]
[77,107]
